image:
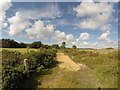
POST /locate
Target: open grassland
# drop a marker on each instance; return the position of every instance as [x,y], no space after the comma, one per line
[22,50]
[103,64]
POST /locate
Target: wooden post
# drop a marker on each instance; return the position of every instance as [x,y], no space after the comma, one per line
[26,66]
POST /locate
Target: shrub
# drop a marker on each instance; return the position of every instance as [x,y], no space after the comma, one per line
[13,68]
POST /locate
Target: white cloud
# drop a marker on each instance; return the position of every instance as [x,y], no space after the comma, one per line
[17,24]
[44,32]
[83,36]
[96,44]
[21,26]
[61,36]
[39,30]
[85,44]
[113,44]
[106,27]
[5,25]
[4,6]
[96,14]
[48,11]
[104,37]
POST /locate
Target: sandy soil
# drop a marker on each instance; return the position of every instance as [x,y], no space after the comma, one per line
[66,63]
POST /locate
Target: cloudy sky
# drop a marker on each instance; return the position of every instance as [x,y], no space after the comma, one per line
[84,24]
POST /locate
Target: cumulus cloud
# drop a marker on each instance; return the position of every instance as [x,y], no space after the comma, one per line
[61,36]
[39,30]
[22,26]
[17,24]
[83,36]
[85,44]
[5,25]
[106,27]
[96,14]
[48,11]
[113,44]
[104,37]
[4,6]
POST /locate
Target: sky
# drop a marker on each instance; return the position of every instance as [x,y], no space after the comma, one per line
[84,24]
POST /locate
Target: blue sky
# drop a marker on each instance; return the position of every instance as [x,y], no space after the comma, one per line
[87,25]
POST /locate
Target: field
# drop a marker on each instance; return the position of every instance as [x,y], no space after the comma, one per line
[22,50]
[76,68]
[103,64]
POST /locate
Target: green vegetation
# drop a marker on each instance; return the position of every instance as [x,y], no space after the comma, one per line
[101,70]
[22,50]
[8,43]
[103,63]
[74,46]
[13,73]
[63,45]
[55,46]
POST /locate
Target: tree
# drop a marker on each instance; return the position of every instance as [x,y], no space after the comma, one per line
[46,46]
[62,47]
[55,46]
[7,43]
[74,47]
[22,45]
[63,44]
[37,44]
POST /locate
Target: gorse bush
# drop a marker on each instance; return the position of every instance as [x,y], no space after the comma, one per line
[12,78]
[13,67]
[11,58]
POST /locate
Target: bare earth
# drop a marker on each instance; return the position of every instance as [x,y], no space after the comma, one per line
[66,63]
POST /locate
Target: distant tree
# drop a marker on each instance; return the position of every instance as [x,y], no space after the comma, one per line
[62,47]
[22,45]
[37,44]
[74,47]
[110,48]
[46,46]
[0,43]
[64,44]
[8,43]
[55,46]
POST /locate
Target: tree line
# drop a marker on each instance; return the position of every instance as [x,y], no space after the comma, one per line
[10,43]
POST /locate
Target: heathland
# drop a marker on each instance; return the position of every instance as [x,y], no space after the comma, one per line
[55,67]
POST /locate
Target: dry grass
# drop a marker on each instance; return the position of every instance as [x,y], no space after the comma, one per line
[22,50]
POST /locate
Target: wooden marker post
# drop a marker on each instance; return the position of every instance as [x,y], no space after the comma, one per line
[26,66]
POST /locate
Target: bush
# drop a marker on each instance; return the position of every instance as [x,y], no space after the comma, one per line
[13,68]
[12,78]
[11,58]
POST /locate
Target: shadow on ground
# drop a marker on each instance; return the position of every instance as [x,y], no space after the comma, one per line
[35,78]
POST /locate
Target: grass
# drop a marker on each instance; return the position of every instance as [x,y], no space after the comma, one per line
[103,71]
[22,50]
[103,63]
[58,78]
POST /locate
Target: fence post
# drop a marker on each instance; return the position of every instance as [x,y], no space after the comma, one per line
[26,66]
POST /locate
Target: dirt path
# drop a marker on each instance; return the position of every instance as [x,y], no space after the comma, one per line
[67,74]
[66,63]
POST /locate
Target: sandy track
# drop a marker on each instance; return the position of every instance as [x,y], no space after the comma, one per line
[66,63]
